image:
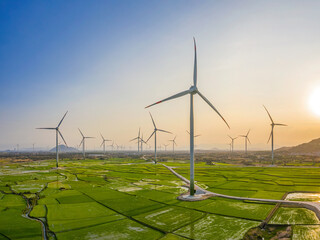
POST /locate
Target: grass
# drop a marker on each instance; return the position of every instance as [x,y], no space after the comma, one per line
[117,199]
[170,218]
[217,227]
[288,216]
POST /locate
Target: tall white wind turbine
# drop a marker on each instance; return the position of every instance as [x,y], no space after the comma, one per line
[271,134]
[83,142]
[193,90]
[155,137]
[232,142]
[57,138]
[104,143]
[246,140]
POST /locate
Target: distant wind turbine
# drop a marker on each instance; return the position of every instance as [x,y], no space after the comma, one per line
[83,142]
[195,135]
[57,138]
[165,147]
[271,134]
[104,143]
[142,142]
[246,140]
[137,138]
[232,142]
[173,143]
[155,137]
[192,91]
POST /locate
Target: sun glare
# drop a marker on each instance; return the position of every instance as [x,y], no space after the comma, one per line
[314,101]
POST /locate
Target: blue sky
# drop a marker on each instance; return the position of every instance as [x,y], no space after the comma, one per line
[105,60]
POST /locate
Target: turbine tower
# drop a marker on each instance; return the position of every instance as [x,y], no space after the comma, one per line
[155,137]
[192,91]
[271,134]
[173,143]
[83,142]
[246,140]
[137,138]
[104,143]
[57,138]
[232,142]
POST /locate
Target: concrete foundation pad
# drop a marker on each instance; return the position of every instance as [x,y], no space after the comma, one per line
[195,197]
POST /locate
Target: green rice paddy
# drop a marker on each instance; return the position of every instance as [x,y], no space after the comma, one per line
[133,199]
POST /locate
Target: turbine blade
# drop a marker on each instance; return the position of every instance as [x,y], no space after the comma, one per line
[153,121]
[172,97]
[268,113]
[197,135]
[269,137]
[188,132]
[195,63]
[47,128]
[101,136]
[248,132]
[62,138]
[175,138]
[164,131]
[81,142]
[139,133]
[248,140]
[150,136]
[134,139]
[210,104]
[102,143]
[280,124]
[81,132]
[62,119]
[89,137]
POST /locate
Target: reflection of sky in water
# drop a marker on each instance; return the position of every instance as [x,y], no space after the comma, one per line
[312,197]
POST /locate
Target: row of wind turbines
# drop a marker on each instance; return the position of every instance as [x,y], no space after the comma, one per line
[192,91]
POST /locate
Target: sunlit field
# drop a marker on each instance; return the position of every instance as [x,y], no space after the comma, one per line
[135,199]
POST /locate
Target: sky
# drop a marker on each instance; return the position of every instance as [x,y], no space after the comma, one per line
[104,61]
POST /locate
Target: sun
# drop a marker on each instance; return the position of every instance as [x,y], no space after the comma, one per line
[314,101]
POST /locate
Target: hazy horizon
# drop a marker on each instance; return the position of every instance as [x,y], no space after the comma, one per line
[104,61]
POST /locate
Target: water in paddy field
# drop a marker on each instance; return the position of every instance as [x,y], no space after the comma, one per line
[310,197]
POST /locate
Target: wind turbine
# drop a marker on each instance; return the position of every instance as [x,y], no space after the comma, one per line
[142,142]
[192,91]
[271,134]
[173,143]
[246,140]
[104,143]
[57,138]
[195,135]
[112,145]
[232,142]
[83,142]
[155,137]
[165,147]
[137,138]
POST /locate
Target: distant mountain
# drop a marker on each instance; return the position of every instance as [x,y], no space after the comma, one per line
[64,148]
[310,148]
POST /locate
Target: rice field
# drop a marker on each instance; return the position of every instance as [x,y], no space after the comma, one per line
[134,199]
